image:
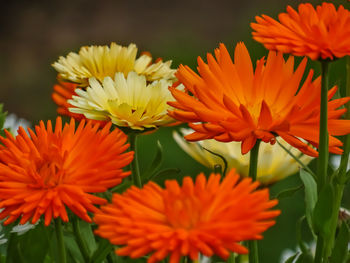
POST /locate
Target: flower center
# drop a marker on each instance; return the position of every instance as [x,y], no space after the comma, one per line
[184,212]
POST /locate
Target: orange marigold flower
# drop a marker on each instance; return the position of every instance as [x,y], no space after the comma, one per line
[231,102]
[323,32]
[204,216]
[52,169]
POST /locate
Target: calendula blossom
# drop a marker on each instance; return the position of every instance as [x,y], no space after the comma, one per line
[105,61]
[55,168]
[126,101]
[274,163]
[319,33]
[233,102]
[203,217]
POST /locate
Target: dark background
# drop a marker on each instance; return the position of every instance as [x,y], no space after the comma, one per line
[33,34]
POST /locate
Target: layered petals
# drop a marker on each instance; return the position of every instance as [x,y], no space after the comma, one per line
[229,101]
[104,61]
[126,101]
[319,33]
[52,168]
[206,216]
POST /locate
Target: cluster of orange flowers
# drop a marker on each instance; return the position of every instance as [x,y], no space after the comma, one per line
[47,170]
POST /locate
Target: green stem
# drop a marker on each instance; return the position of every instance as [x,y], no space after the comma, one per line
[80,241]
[231,258]
[319,249]
[60,242]
[253,161]
[109,258]
[135,164]
[253,170]
[339,179]
[345,156]
[322,162]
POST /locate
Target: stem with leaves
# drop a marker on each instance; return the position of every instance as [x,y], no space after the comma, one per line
[322,162]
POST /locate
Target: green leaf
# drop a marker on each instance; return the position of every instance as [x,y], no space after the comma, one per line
[292,258]
[305,258]
[88,235]
[72,248]
[310,195]
[155,165]
[322,215]
[13,253]
[33,245]
[288,192]
[166,172]
[300,241]
[104,248]
[340,251]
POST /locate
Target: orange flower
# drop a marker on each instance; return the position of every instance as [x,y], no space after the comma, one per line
[231,102]
[63,91]
[205,217]
[321,33]
[51,169]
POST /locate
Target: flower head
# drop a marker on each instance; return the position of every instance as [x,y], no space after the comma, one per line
[103,61]
[64,91]
[58,168]
[230,102]
[274,163]
[126,101]
[323,32]
[205,216]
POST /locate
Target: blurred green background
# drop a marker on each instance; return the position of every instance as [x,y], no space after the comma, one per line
[35,33]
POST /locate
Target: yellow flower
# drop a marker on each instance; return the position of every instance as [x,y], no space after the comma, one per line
[103,61]
[274,163]
[127,102]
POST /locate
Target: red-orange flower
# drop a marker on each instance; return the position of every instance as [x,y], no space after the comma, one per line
[323,32]
[52,169]
[231,102]
[205,217]
[64,91]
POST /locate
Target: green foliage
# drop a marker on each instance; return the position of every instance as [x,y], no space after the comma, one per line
[103,249]
[292,258]
[29,247]
[322,214]
[340,250]
[88,236]
[305,258]
[288,192]
[2,119]
[310,195]
[155,164]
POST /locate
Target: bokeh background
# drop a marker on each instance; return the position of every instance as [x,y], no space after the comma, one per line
[33,34]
